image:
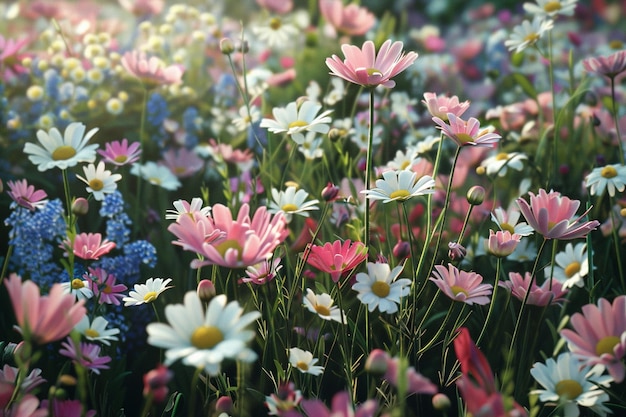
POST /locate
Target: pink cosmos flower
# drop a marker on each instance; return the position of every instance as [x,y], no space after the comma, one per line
[546,294]
[262,272]
[182,162]
[27,406]
[379,361]
[89,246]
[467,133]
[86,355]
[552,216]
[120,153]
[461,286]
[609,66]
[67,408]
[599,335]
[502,243]
[8,376]
[26,196]
[104,287]
[10,58]
[276,6]
[151,71]
[440,106]
[143,7]
[43,319]
[244,159]
[341,407]
[366,68]
[338,257]
[350,19]
[195,231]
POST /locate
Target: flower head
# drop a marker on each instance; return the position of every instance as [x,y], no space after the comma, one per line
[304,361]
[400,186]
[380,288]
[96,330]
[79,288]
[86,355]
[10,58]
[148,292]
[323,306]
[90,246]
[460,285]
[540,295]
[528,33]
[155,174]
[467,133]
[509,220]
[292,201]
[502,243]
[155,383]
[341,407]
[296,120]
[26,196]
[151,71]
[183,207]
[572,265]
[100,181]
[609,66]
[499,163]
[262,272]
[104,286]
[338,257]
[62,152]
[551,8]
[609,177]
[286,399]
[440,106]
[366,68]
[120,153]
[350,19]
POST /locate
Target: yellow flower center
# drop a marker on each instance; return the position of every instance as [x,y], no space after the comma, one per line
[502,156]
[96,184]
[77,284]
[275,23]
[150,296]
[507,228]
[154,180]
[381,289]
[568,388]
[531,38]
[373,71]
[223,246]
[120,159]
[404,164]
[572,269]
[297,123]
[287,208]
[302,366]
[552,6]
[322,310]
[180,170]
[616,44]
[91,333]
[107,289]
[400,194]
[606,345]
[63,152]
[608,172]
[456,290]
[464,138]
[206,337]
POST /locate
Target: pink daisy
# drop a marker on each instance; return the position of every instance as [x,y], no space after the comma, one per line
[552,216]
[182,162]
[461,286]
[350,19]
[86,355]
[440,106]
[26,196]
[599,335]
[609,66]
[89,246]
[195,231]
[467,133]
[338,257]
[10,58]
[546,294]
[120,153]
[262,272]
[43,319]
[502,243]
[67,408]
[366,68]
[341,407]
[104,287]
[151,71]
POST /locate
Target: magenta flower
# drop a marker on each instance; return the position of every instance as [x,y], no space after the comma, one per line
[26,196]
[67,408]
[104,286]
[502,243]
[460,285]
[10,58]
[364,67]
[86,355]
[8,376]
[43,319]
[599,335]
[341,407]
[151,71]
[89,246]
[350,19]
[467,133]
[440,106]
[26,406]
[609,66]
[338,257]
[120,153]
[552,216]
[546,294]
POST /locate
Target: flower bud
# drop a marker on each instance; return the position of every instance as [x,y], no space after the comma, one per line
[441,402]
[67,380]
[80,206]
[206,290]
[224,404]
[402,250]
[226,46]
[456,251]
[155,383]
[335,134]
[476,195]
[330,192]
[376,362]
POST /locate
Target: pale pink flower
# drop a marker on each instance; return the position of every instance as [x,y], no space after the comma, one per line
[341,407]
[416,382]
[609,66]
[89,246]
[599,335]
[547,294]
[43,319]
[104,286]
[10,58]
[462,286]
[8,376]
[151,71]
[502,243]
[27,406]
[120,153]
[195,231]
[467,133]
[338,257]
[26,196]
[143,7]
[366,68]
[244,159]
[155,383]
[552,216]
[262,272]
[440,106]
[182,162]
[350,19]
[276,6]
[86,355]
[67,408]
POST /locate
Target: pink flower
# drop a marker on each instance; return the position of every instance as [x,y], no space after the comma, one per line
[10,58]
[27,406]
[26,196]
[182,162]
[43,319]
[552,216]
[609,66]
[143,7]
[262,272]
[599,335]
[67,408]
[502,243]
[341,407]
[276,6]
[90,246]
[195,231]
[338,257]
[461,286]
[416,383]
[351,19]
[120,153]
[546,294]
[467,133]
[155,383]
[86,355]
[364,67]
[104,287]
[440,106]
[8,376]
[151,71]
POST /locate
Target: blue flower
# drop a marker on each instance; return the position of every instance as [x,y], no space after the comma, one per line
[157,110]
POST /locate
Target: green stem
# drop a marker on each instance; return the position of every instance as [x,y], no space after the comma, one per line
[142,126]
[493,300]
[192,393]
[368,169]
[5,264]
[615,117]
[442,327]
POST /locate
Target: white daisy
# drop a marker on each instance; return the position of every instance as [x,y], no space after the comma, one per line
[498,164]
[183,207]
[379,287]
[528,33]
[275,32]
[311,148]
[79,288]
[322,305]
[62,152]
[400,186]
[572,265]
[337,92]
[360,135]
[245,119]
[611,177]
[551,8]
[304,361]
[100,181]
[525,251]
[403,160]
[204,338]
[568,384]
[97,330]
[292,201]
[156,175]
[509,220]
[148,292]
[295,121]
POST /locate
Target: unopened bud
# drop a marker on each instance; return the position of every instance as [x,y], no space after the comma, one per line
[226,46]
[456,251]
[224,404]
[80,206]
[441,402]
[476,195]
[376,362]
[402,250]
[206,290]
[622,212]
[335,134]
[67,380]
[330,192]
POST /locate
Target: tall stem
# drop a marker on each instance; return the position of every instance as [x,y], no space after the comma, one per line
[368,170]
[616,119]
[493,300]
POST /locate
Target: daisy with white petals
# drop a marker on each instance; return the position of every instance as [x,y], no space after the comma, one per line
[304,361]
[572,265]
[498,164]
[296,120]
[551,8]
[609,177]
[96,330]
[148,292]
[400,186]
[100,181]
[292,201]
[183,207]
[380,288]
[323,306]
[155,174]
[528,33]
